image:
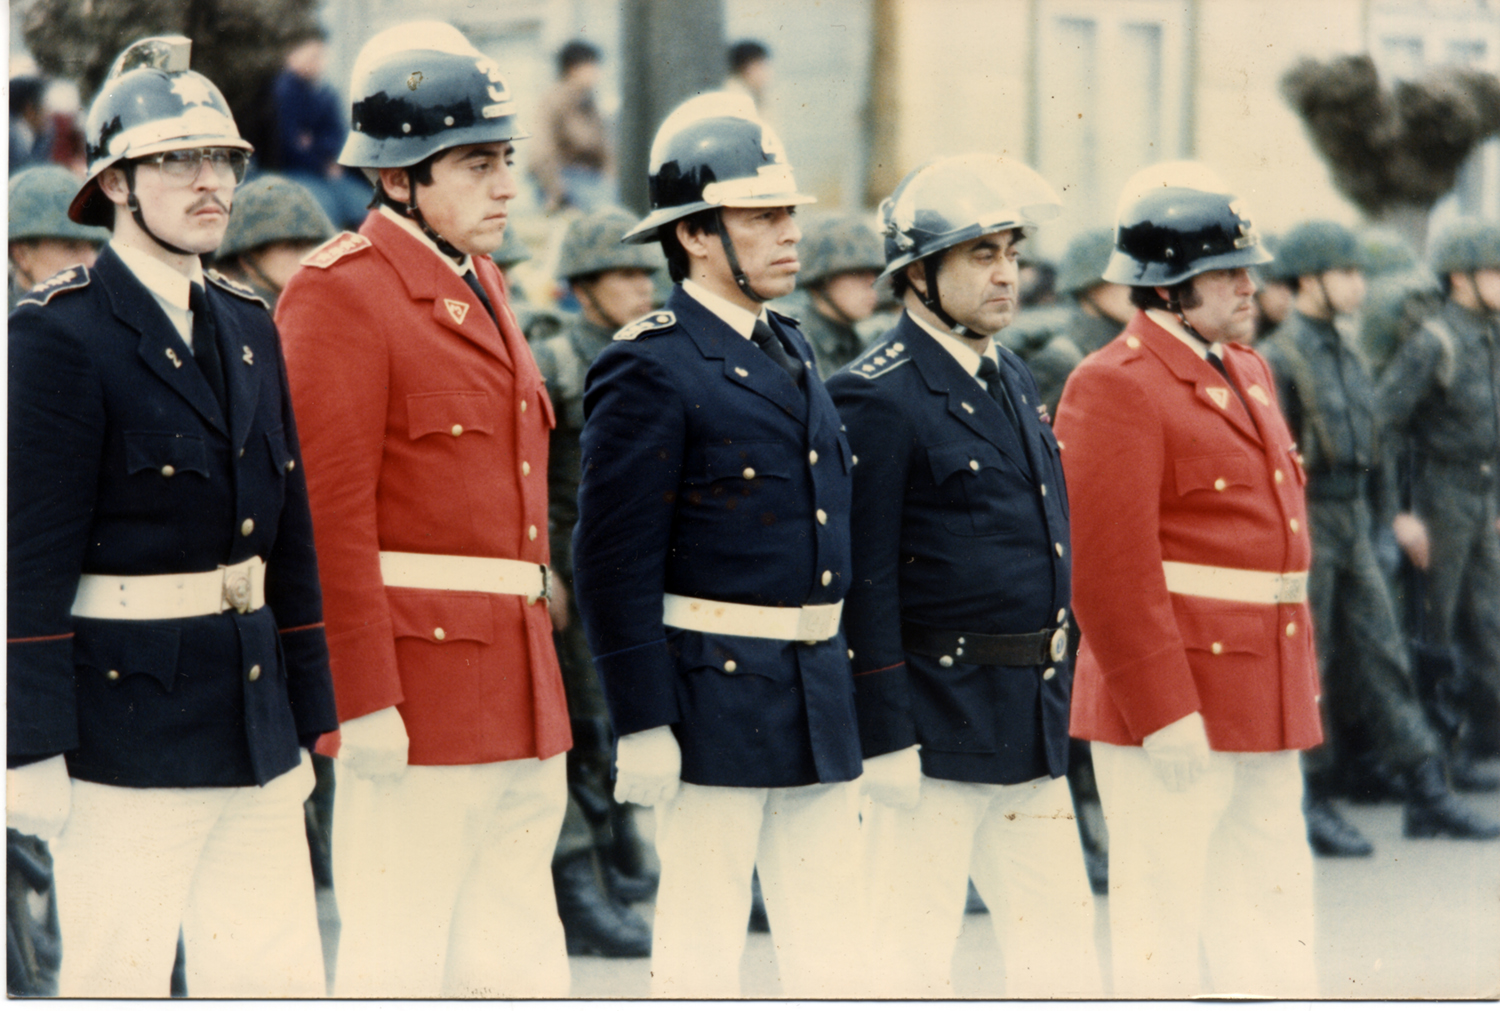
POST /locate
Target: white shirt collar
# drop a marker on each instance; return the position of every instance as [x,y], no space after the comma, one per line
[965,355]
[166,284]
[740,319]
[1172,325]
[416,232]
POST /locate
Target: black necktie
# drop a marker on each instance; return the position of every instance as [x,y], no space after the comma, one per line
[206,343]
[989,378]
[473,282]
[1217,361]
[765,338]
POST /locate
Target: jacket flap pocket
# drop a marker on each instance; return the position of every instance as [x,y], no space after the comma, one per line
[118,649]
[442,615]
[1212,473]
[281,457]
[748,460]
[1220,632]
[156,450]
[968,457]
[451,414]
[735,655]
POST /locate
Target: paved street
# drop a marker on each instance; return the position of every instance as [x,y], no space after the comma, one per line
[1419,919]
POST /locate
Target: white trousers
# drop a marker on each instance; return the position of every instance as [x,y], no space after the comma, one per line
[229,865]
[444,881]
[1020,845]
[805,840]
[1225,863]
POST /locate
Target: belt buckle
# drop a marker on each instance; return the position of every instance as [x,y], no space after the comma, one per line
[1293,588]
[238,587]
[546,594]
[816,622]
[1058,648]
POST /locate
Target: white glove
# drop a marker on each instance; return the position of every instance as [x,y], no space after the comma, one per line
[374,746]
[1178,752]
[894,778]
[649,765]
[38,797]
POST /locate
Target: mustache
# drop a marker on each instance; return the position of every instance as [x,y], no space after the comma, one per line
[205,200]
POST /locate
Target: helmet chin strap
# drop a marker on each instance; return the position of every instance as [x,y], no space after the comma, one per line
[134,206]
[933,300]
[586,298]
[412,211]
[734,261]
[1174,306]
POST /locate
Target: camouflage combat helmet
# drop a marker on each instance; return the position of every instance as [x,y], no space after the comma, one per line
[1466,247]
[592,245]
[1313,247]
[1386,252]
[1083,263]
[39,199]
[513,249]
[271,209]
[837,244]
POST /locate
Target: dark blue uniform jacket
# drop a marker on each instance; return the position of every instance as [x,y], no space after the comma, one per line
[708,473]
[123,463]
[952,530]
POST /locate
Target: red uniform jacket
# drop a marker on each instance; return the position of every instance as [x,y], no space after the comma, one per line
[424,429]
[1163,461]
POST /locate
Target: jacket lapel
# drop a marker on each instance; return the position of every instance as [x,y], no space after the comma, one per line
[967,401]
[241,371]
[160,347]
[1209,387]
[744,364]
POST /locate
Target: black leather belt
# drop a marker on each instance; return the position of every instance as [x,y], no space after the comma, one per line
[1028,649]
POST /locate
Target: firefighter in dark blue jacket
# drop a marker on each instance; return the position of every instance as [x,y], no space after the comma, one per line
[166,658]
[958,614]
[711,559]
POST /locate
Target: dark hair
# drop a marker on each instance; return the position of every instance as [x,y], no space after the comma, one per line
[705,220]
[419,174]
[25,91]
[1183,294]
[745,52]
[576,53]
[900,283]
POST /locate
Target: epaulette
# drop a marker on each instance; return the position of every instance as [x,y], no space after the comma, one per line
[236,288]
[793,320]
[335,249]
[70,279]
[652,321]
[879,360]
[1133,346]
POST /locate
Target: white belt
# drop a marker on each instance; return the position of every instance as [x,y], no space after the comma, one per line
[812,623]
[1247,586]
[531,580]
[239,588]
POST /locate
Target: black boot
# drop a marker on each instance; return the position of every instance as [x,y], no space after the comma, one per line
[760,923]
[1329,834]
[1368,780]
[1433,811]
[626,868]
[1468,777]
[592,922]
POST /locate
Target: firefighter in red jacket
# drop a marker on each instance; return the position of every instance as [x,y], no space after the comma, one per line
[1196,678]
[426,442]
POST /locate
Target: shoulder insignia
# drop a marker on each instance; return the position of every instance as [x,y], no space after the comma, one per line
[879,360]
[70,279]
[236,288]
[652,321]
[793,320]
[335,249]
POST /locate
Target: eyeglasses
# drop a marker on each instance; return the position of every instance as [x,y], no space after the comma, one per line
[182,166]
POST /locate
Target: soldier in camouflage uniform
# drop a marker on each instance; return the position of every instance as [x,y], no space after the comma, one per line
[274,224]
[613,284]
[43,240]
[1328,397]
[1440,394]
[1402,293]
[537,322]
[1100,311]
[841,257]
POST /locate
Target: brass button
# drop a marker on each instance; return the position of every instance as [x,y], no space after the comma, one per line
[1220,484]
[1217,648]
[1279,476]
[1049,673]
[812,456]
[291,465]
[851,654]
[854,458]
[242,452]
[457,430]
[1062,615]
[113,675]
[439,634]
[827,577]
[1044,491]
[255,673]
[1291,629]
[1058,548]
[1132,341]
[822,518]
[1294,524]
[748,473]
[730,666]
[525,468]
[247,528]
[523,407]
[945,661]
[168,470]
[531,533]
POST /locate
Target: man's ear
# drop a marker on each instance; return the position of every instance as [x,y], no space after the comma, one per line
[695,244]
[916,276]
[397,183]
[112,185]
